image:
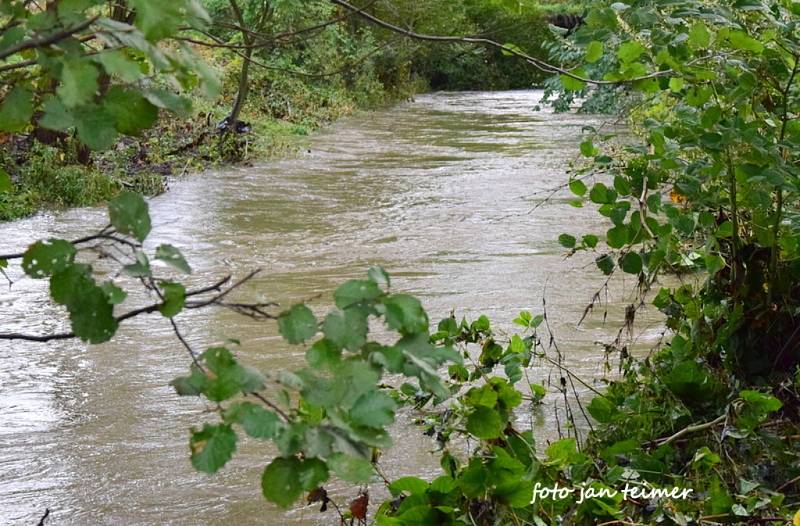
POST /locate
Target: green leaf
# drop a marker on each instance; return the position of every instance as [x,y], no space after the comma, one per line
[45,258]
[348,329]
[117,63]
[676,84]
[567,241]
[617,237]
[350,469]
[228,377]
[631,263]
[355,291]
[5,182]
[574,84]
[312,472]
[699,36]
[741,40]
[410,485]
[174,299]
[280,482]
[167,100]
[588,149]
[114,294]
[594,51]
[577,187]
[256,421]
[601,194]
[131,112]
[714,263]
[16,110]
[404,313]
[605,264]
[78,82]
[212,447]
[173,257]
[95,126]
[56,115]
[297,324]
[129,215]
[590,240]
[509,50]
[630,51]
[485,423]
[379,276]
[139,269]
[601,409]
[373,409]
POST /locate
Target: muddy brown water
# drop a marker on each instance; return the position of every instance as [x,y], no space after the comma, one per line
[441,191]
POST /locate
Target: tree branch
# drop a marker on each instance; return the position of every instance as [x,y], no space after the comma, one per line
[537,63]
[46,41]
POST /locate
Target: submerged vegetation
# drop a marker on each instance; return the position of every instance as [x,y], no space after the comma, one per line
[702,205]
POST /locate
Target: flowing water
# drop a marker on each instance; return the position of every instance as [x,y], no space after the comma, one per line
[444,192]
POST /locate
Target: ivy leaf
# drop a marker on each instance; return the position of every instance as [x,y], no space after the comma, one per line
[485,423]
[256,421]
[16,110]
[129,215]
[280,482]
[174,299]
[173,257]
[297,324]
[212,447]
[350,469]
[45,258]
[78,82]
[373,409]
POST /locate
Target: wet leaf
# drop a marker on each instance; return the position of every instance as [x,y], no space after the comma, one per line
[212,447]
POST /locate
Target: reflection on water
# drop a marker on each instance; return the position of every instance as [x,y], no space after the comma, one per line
[438,191]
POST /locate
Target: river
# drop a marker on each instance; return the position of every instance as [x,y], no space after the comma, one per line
[443,191]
